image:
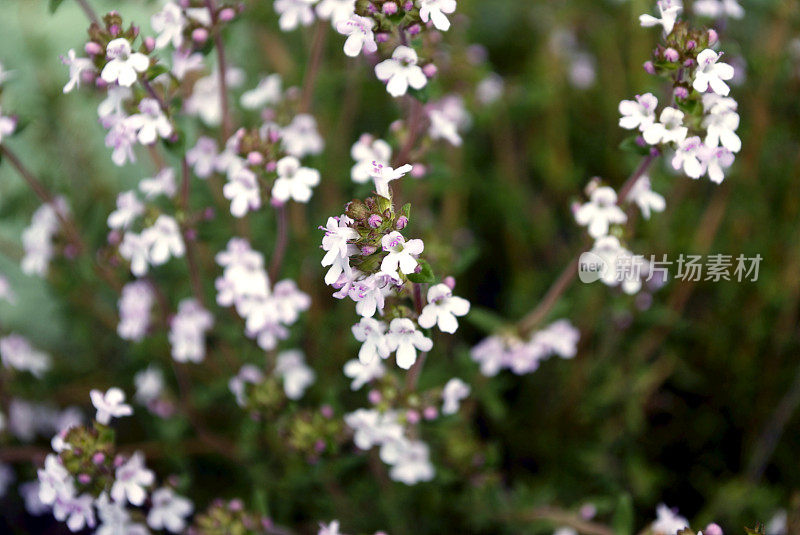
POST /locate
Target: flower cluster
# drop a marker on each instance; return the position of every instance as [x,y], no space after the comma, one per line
[245,285]
[38,237]
[17,353]
[87,485]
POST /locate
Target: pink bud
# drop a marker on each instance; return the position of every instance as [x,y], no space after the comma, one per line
[389,8]
[712,529]
[98,458]
[409,5]
[401,222]
[209,213]
[276,203]
[93,49]
[412,417]
[119,460]
[319,446]
[430,413]
[255,158]
[381,37]
[114,237]
[450,282]
[271,166]
[135,31]
[149,43]
[713,36]
[367,250]
[588,511]
[191,234]
[374,221]
[430,70]
[200,35]
[681,92]
[374,397]
[414,29]
[649,68]
[84,479]
[671,55]
[688,63]
[114,30]
[690,44]
[235,505]
[327,411]
[227,14]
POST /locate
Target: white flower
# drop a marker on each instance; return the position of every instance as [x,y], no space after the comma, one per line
[164,240]
[188,331]
[335,241]
[442,308]
[359,34]
[668,522]
[372,334]
[401,71]
[434,10]
[448,116]
[404,338]
[242,190]
[600,212]
[715,9]
[361,373]
[238,383]
[129,207]
[205,99]
[17,353]
[202,156]
[454,391]
[115,519]
[268,91]
[7,125]
[136,249]
[77,66]
[151,123]
[161,184]
[402,254]
[710,74]
[185,61]
[372,428]
[721,125]
[294,182]
[335,10]
[149,385]
[645,198]
[330,529]
[135,303]
[301,138]
[294,12]
[54,481]
[717,159]
[169,511]
[123,65]
[110,405]
[366,151]
[669,129]
[112,109]
[383,174]
[369,293]
[169,24]
[77,511]
[121,137]
[639,113]
[291,367]
[688,157]
[490,89]
[669,10]
[131,479]
[410,460]
[621,265]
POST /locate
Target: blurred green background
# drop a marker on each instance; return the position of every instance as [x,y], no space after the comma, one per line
[691,401]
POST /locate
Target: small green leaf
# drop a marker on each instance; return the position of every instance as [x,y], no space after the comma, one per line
[156,70]
[424,276]
[623,516]
[55,4]
[629,144]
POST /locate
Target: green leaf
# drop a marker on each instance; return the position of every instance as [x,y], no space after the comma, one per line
[622,523]
[629,145]
[424,276]
[156,70]
[54,5]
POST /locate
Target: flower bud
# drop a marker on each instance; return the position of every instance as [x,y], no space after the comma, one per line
[327,411]
[374,221]
[588,511]
[200,35]
[414,29]
[419,170]
[409,5]
[235,505]
[450,282]
[209,213]
[412,417]
[401,222]
[93,49]
[381,37]
[713,37]
[671,55]
[84,479]
[227,14]
[430,413]
[319,446]
[367,250]
[98,458]
[712,529]
[430,70]
[149,43]
[255,158]
[681,92]
[389,8]
[690,44]
[114,30]
[688,63]
[271,166]
[374,397]
[649,68]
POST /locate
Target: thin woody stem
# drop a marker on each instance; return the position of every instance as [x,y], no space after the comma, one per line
[222,67]
[89,11]
[310,77]
[412,378]
[188,237]
[567,276]
[279,253]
